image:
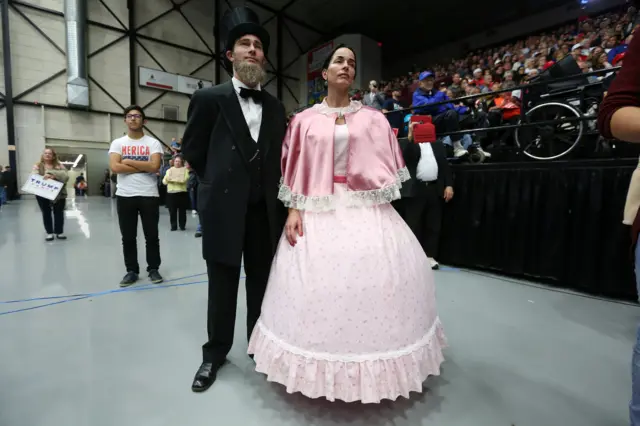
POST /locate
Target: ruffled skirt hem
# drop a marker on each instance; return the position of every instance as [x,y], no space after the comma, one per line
[368,378]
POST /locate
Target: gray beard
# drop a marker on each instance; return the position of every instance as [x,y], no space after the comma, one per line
[249,73]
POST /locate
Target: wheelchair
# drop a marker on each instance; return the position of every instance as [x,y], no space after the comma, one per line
[573,98]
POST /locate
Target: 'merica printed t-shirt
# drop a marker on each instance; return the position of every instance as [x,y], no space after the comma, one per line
[136,184]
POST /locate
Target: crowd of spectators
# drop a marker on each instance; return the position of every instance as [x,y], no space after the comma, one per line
[595,43]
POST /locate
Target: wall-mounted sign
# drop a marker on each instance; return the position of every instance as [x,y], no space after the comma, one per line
[162,80]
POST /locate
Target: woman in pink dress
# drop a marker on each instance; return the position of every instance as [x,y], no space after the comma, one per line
[350,311]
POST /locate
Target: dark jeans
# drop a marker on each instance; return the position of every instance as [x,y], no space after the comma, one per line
[55,226]
[178,203]
[193,195]
[149,210]
[446,122]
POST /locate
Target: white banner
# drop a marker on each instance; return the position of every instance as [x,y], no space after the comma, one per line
[162,80]
[46,188]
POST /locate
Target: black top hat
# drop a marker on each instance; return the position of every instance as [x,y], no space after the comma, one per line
[239,22]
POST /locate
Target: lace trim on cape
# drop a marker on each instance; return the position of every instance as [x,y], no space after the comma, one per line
[355,198]
[323,108]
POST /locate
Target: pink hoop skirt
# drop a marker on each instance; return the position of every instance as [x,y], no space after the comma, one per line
[350,312]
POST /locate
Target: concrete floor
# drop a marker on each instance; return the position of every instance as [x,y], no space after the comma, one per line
[520,354]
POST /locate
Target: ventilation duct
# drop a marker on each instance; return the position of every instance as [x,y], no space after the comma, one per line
[75,19]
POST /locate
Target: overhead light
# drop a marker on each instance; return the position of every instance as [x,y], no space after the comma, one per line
[75,164]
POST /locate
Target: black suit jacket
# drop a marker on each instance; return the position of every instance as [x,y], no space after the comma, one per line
[215,143]
[411,154]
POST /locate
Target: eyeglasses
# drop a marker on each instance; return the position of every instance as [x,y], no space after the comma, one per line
[133,116]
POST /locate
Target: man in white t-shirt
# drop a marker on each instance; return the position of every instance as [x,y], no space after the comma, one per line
[136,158]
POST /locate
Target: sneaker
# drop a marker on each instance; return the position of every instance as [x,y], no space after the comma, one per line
[129,279]
[486,154]
[155,276]
[49,237]
[434,264]
[459,151]
[61,237]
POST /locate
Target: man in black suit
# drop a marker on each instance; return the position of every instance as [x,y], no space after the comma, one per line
[422,196]
[233,141]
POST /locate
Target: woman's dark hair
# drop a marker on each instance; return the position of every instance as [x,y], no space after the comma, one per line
[327,61]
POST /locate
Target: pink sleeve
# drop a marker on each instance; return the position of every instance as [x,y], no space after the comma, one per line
[289,155]
[396,151]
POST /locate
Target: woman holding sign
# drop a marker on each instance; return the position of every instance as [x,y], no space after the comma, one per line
[50,168]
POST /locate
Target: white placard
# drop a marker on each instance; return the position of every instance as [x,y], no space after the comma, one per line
[46,188]
[162,80]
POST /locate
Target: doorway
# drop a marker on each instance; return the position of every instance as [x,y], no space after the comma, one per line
[91,162]
[76,165]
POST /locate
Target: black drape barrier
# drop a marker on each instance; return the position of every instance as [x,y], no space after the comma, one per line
[559,222]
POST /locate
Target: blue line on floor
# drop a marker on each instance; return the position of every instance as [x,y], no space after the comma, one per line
[104,293]
[68,296]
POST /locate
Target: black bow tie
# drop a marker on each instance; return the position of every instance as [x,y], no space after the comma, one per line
[256,95]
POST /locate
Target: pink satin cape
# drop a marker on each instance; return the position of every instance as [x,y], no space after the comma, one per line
[375,166]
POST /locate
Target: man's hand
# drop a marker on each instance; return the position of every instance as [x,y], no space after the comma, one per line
[150,166]
[448,194]
[117,165]
[129,162]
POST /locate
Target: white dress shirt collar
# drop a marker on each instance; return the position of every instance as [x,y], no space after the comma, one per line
[237,85]
[251,110]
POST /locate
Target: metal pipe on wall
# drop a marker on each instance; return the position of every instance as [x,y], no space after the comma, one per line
[75,19]
[132,52]
[8,86]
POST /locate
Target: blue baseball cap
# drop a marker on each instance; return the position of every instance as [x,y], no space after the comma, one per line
[424,75]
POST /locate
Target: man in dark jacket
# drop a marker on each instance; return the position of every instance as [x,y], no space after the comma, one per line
[233,141]
[424,195]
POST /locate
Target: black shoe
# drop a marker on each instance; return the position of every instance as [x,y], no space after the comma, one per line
[198,234]
[183,228]
[61,237]
[174,229]
[205,376]
[129,279]
[155,276]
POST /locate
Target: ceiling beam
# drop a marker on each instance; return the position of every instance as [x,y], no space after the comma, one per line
[285,7]
[284,15]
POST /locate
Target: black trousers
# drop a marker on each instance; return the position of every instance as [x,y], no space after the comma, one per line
[178,203]
[49,208]
[448,121]
[223,286]
[424,216]
[149,210]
